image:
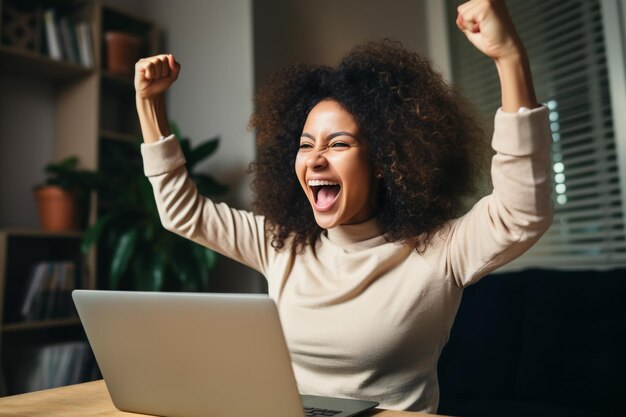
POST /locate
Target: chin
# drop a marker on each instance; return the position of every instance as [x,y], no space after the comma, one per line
[325,224]
[326,221]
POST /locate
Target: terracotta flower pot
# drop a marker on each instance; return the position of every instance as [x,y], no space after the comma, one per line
[122,52]
[58,209]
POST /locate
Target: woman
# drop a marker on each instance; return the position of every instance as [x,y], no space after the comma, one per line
[368,264]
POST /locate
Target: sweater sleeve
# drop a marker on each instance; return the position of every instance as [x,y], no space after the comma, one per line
[237,234]
[506,223]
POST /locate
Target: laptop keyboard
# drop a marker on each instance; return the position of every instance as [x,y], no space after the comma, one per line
[311,411]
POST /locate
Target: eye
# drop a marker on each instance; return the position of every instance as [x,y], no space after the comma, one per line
[340,145]
[305,145]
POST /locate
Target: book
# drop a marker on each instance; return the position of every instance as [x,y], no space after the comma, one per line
[85,43]
[51,365]
[69,40]
[49,292]
[47,303]
[53,40]
[64,306]
[38,275]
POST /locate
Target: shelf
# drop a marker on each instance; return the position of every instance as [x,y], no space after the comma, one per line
[120,81]
[116,18]
[70,234]
[25,62]
[118,84]
[118,136]
[41,324]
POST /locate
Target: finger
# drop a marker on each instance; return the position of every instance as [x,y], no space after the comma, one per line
[467,25]
[465,8]
[165,67]
[174,66]
[150,71]
[459,22]
[472,14]
[141,68]
[162,67]
[157,69]
[156,64]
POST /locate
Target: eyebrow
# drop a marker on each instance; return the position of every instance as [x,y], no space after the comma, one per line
[329,137]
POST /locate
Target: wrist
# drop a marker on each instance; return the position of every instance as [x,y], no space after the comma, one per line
[511,50]
[515,56]
[516,81]
[152,117]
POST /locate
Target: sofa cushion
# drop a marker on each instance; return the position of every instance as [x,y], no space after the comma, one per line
[482,354]
[574,350]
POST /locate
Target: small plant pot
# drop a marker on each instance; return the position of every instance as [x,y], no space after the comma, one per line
[59,210]
[122,52]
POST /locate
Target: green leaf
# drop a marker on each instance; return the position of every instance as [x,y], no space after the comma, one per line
[182,271]
[149,271]
[122,255]
[208,186]
[184,265]
[157,271]
[209,257]
[202,151]
[121,158]
[92,235]
[146,197]
[67,164]
[205,259]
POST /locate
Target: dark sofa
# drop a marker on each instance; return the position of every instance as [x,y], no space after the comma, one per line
[538,343]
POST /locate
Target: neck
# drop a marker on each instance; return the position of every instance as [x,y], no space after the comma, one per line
[354,233]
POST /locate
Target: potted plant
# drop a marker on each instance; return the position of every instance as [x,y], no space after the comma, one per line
[122,51]
[136,251]
[62,199]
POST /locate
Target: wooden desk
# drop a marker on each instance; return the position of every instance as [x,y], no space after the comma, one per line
[92,399]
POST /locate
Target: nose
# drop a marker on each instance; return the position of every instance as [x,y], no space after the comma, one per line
[316,160]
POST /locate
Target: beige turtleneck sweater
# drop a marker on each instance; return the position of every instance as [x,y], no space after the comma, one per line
[363,317]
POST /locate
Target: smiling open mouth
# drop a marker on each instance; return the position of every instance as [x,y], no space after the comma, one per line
[325,192]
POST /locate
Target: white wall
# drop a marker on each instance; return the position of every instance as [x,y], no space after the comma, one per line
[213,95]
[436,24]
[323,31]
[28,124]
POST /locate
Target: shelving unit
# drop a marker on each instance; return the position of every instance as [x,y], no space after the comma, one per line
[24,337]
[94,111]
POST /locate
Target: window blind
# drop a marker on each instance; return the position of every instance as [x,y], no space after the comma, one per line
[565,43]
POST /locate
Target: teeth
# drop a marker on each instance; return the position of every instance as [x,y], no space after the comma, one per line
[314,183]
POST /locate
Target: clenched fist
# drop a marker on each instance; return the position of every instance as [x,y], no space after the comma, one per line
[154,75]
[488,25]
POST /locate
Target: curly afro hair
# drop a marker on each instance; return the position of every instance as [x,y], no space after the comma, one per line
[423,136]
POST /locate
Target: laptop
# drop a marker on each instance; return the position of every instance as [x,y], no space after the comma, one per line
[197,355]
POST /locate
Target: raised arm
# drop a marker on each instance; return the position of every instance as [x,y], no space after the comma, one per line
[237,234]
[488,25]
[506,223]
[153,76]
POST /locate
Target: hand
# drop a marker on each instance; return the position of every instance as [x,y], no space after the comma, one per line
[488,25]
[155,74]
